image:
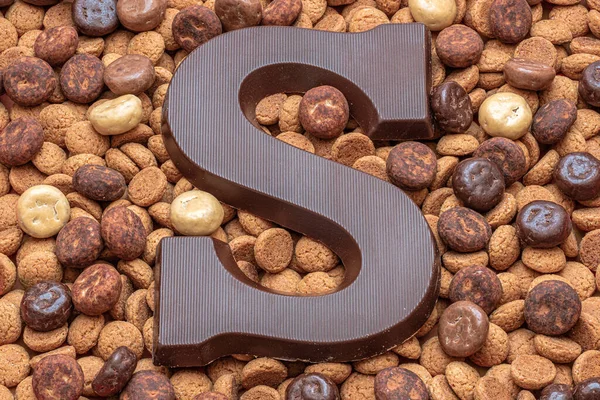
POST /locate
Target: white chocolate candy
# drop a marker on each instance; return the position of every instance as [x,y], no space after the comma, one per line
[117,116]
[435,14]
[42,211]
[196,213]
[506,115]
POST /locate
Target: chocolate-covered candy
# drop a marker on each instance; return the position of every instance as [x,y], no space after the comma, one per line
[99,183]
[210,396]
[552,121]
[587,390]
[282,12]
[463,329]
[79,243]
[148,385]
[399,383]
[141,15]
[123,233]
[464,230]
[82,78]
[46,306]
[578,176]
[57,377]
[130,74]
[543,224]
[478,183]
[194,26]
[479,285]
[115,373]
[312,387]
[452,107]
[507,156]
[411,165]
[324,112]
[97,289]
[237,14]
[20,141]
[557,391]
[589,84]
[528,74]
[95,17]
[56,45]
[552,308]
[29,81]
[459,46]
[510,20]
[42,2]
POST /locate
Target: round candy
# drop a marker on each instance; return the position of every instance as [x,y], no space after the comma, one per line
[46,306]
[588,389]
[434,14]
[553,120]
[399,383]
[79,242]
[117,116]
[56,45]
[312,387]
[479,285]
[510,20]
[141,15]
[552,308]
[29,81]
[528,74]
[557,391]
[210,396]
[463,329]
[97,289]
[478,183]
[42,211]
[507,155]
[95,17]
[464,230]
[589,84]
[411,165]
[543,224]
[99,183]
[237,14]
[148,385]
[452,107]
[57,377]
[194,26]
[282,12]
[324,112]
[123,233]
[506,115]
[115,373]
[459,46]
[130,74]
[196,213]
[82,78]
[578,176]
[20,141]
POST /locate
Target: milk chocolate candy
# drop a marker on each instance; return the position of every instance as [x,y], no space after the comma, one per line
[205,306]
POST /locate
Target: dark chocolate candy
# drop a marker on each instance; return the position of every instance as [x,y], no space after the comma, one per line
[205,306]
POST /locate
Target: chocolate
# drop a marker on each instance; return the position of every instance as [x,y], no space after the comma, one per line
[312,387]
[588,389]
[96,289]
[553,120]
[510,20]
[478,183]
[194,26]
[578,176]
[396,268]
[411,166]
[141,15]
[552,308]
[56,45]
[20,141]
[148,385]
[557,391]
[479,285]
[324,112]
[237,14]
[464,230]
[463,329]
[99,183]
[46,306]
[57,377]
[452,107]
[399,383]
[95,17]
[29,81]
[507,155]
[528,74]
[130,74]
[82,78]
[589,84]
[282,12]
[115,373]
[543,224]
[459,46]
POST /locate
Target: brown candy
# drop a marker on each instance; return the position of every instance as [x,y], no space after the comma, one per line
[312,386]
[399,383]
[557,391]
[96,290]
[589,84]
[123,233]
[587,390]
[141,15]
[452,107]
[46,306]
[552,308]
[237,14]
[282,12]
[324,112]
[95,17]
[29,81]
[411,166]
[57,377]
[99,183]
[479,285]
[130,74]
[543,224]
[115,373]
[553,120]
[210,396]
[464,230]
[507,155]
[578,176]
[194,26]
[463,329]
[528,74]
[478,183]
[510,20]
[82,78]
[56,45]
[79,243]
[20,141]
[459,46]
[148,385]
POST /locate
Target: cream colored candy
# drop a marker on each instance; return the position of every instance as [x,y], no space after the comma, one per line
[196,213]
[505,114]
[42,211]
[117,116]
[435,14]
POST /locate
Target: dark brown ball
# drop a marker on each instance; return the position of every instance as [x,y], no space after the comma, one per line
[411,166]
[141,15]
[115,373]
[464,230]
[311,387]
[587,390]
[20,141]
[399,383]
[97,289]
[478,183]
[56,45]
[510,20]
[507,155]
[57,377]
[99,183]
[195,25]
[589,84]
[282,12]
[552,308]
[82,78]
[95,17]
[123,233]
[130,74]
[46,306]
[578,176]
[452,108]
[463,329]
[478,285]
[29,81]
[324,112]
[148,385]
[79,243]
[543,224]
[459,46]
[553,120]
[238,14]
[557,391]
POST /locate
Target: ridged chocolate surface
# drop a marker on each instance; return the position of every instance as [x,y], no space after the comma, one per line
[205,307]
